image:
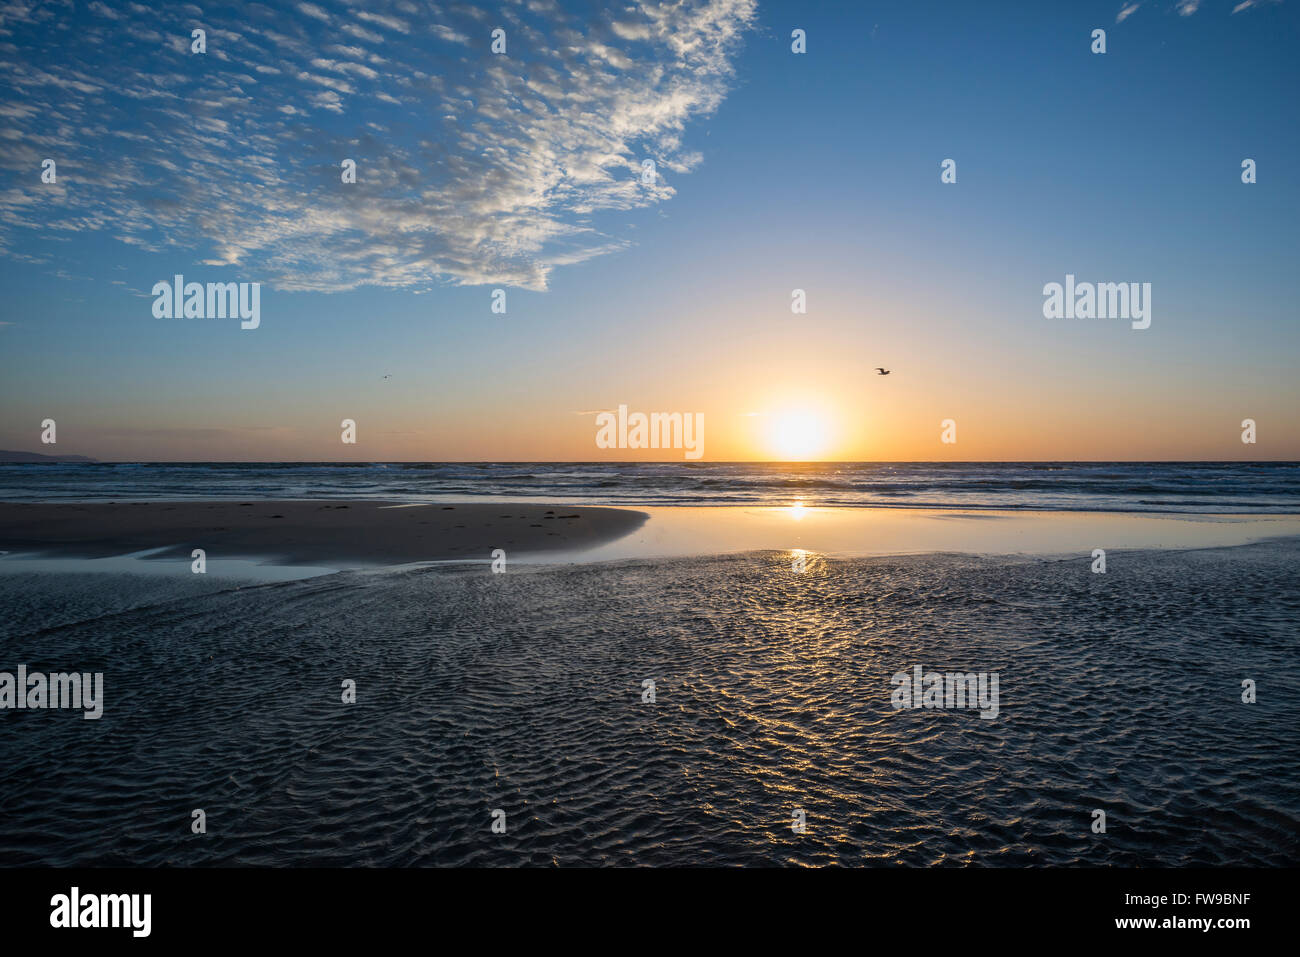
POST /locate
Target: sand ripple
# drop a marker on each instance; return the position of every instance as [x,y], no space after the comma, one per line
[523,692]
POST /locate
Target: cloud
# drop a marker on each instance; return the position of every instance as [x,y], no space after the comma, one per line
[472,168]
[1127,11]
[1249,4]
[447,33]
[1187,7]
[311,10]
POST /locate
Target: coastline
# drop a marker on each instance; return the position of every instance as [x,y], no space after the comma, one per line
[772,691]
[358,533]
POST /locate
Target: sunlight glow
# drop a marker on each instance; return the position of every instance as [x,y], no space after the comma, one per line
[798,435]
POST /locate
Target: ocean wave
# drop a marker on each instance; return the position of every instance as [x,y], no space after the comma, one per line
[1222,486]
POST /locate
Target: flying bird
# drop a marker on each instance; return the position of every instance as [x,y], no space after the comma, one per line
[389,376]
[881,371]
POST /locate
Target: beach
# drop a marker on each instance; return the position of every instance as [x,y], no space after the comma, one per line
[643,682]
[683,434]
[340,535]
[525,693]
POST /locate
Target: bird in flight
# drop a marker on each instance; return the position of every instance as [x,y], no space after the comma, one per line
[389,376]
[881,371]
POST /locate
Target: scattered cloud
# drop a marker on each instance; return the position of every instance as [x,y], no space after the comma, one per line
[472,168]
[1127,11]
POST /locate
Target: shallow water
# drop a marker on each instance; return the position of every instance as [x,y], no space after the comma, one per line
[522,692]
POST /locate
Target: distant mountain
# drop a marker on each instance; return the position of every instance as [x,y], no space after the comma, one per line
[35,457]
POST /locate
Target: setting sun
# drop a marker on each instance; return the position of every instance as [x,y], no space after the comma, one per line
[798,435]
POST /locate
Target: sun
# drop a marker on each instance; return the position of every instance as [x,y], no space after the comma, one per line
[798,435]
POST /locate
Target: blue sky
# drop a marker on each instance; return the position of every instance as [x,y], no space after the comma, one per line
[778,171]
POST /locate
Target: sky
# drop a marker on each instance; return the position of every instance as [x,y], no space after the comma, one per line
[775,171]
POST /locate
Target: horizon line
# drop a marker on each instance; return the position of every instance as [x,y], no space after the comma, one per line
[693,462]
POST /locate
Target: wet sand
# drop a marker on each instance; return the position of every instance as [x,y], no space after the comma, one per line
[308,532]
[674,532]
[523,691]
[342,534]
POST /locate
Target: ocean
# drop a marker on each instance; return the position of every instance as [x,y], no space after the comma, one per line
[1221,487]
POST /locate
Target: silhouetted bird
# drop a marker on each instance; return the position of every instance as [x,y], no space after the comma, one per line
[881,371]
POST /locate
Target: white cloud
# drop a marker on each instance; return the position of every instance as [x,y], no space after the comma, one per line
[447,33]
[471,168]
[311,10]
[393,23]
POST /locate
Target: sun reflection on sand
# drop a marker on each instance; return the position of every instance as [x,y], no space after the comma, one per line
[827,531]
